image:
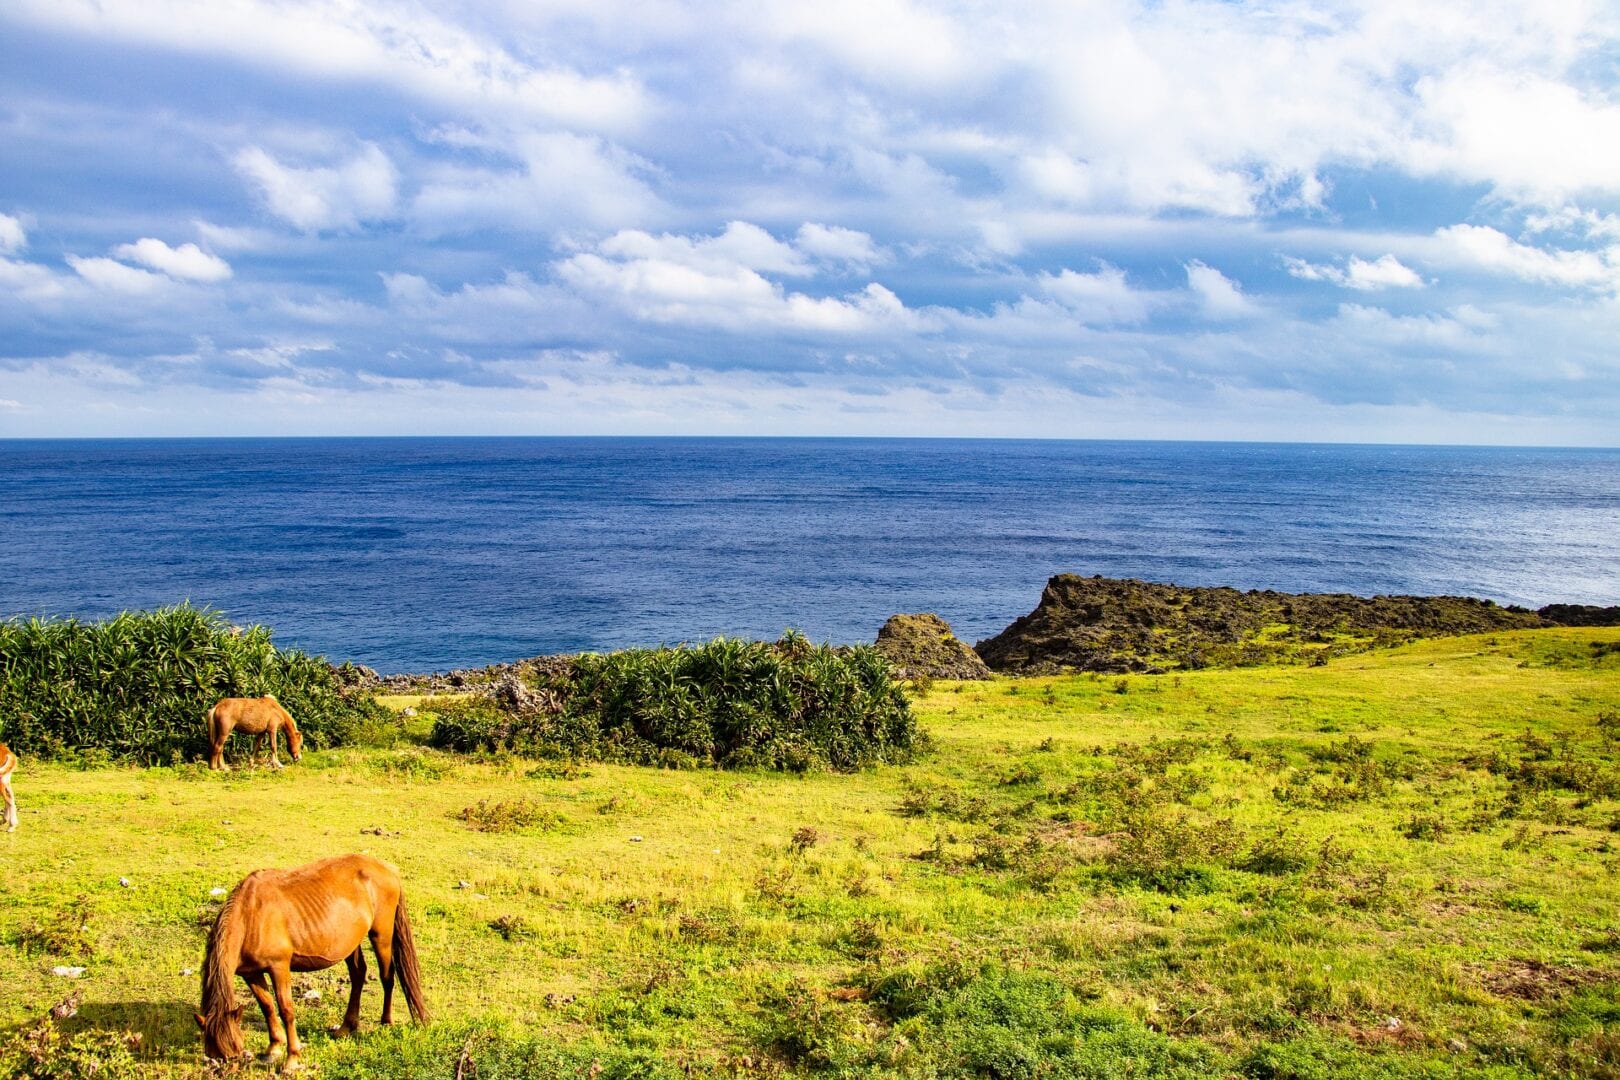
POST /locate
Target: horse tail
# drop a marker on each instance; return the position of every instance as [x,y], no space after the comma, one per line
[410,973]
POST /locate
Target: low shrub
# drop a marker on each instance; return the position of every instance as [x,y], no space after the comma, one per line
[136,687]
[786,705]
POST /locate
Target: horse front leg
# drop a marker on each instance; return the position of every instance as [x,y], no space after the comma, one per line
[357,981]
[275,762]
[281,977]
[11,803]
[382,943]
[260,985]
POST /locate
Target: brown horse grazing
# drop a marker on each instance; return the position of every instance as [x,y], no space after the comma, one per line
[256,716]
[8,765]
[277,922]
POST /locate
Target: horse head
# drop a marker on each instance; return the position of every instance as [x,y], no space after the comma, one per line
[222,1034]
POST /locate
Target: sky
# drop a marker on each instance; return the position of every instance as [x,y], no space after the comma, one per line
[1272,220]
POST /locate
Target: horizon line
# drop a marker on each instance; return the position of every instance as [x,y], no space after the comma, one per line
[485,437]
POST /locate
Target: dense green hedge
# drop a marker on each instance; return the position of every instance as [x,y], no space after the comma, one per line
[732,703]
[136,687]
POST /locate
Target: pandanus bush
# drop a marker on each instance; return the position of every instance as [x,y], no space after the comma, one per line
[136,686]
[732,703]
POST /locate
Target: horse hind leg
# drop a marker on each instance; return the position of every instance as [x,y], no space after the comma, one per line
[357,981]
[260,985]
[11,803]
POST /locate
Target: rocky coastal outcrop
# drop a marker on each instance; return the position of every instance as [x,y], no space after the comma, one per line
[1580,615]
[1125,625]
[923,645]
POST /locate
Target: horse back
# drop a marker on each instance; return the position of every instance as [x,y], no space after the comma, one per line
[315,914]
[252,716]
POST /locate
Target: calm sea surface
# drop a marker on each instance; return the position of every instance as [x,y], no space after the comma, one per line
[422,554]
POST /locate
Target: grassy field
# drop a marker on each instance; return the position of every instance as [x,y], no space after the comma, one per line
[1402,863]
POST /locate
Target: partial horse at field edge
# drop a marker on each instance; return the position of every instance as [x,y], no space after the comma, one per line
[259,717]
[8,765]
[305,919]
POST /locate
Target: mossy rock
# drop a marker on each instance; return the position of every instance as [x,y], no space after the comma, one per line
[1125,625]
[923,645]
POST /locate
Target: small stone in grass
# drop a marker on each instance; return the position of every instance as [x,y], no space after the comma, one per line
[635,839]
[216,891]
[68,972]
[124,881]
[311,997]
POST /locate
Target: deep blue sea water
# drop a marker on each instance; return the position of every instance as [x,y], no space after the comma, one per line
[423,554]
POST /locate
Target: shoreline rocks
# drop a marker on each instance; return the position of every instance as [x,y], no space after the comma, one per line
[1125,625]
[923,645]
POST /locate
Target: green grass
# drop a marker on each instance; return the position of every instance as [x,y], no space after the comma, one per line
[1400,864]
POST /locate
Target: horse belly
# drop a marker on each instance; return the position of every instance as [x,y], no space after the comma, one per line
[300,962]
[323,946]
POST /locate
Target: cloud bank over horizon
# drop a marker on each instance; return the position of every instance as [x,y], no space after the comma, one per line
[1112,218]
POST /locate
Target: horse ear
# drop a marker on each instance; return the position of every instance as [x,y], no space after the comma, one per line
[202,1021]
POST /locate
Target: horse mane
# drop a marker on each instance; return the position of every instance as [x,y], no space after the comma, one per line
[219,966]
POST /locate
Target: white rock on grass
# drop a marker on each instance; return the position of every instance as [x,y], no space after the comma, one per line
[68,972]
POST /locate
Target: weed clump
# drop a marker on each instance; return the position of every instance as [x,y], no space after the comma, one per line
[509,816]
[43,1051]
[66,933]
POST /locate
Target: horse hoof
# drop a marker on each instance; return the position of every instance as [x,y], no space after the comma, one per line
[291,1065]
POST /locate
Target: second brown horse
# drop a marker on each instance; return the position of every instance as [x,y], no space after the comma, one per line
[277,922]
[8,763]
[260,717]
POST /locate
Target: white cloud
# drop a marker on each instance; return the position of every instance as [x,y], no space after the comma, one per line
[834,243]
[720,281]
[739,244]
[323,197]
[113,276]
[1431,331]
[31,282]
[235,238]
[565,182]
[13,237]
[1384,272]
[1530,136]
[1490,249]
[405,46]
[1101,298]
[187,262]
[1219,297]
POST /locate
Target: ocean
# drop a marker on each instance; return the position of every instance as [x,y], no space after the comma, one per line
[421,554]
